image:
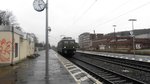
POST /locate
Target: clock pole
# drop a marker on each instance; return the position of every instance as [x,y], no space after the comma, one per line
[47,47]
[40,5]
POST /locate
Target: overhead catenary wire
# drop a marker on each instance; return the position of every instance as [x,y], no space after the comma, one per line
[116,9]
[80,17]
[123,4]
[123,14]
[79,9]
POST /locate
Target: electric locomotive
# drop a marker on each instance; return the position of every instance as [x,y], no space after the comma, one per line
[66,46]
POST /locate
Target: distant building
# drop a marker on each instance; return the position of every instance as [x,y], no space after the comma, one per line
[85,40]
[120,43]
[115,41]
[143,35]
[124,40]
[139,33]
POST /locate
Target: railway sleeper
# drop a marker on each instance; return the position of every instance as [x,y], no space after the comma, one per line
[125,83]
[119,81]
[129,83]
[112,79]
[105,72]
[112,76]
[107,75]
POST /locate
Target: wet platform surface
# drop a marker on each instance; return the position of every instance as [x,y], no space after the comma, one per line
[32,71]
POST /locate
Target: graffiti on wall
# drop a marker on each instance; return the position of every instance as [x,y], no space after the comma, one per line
[5,50]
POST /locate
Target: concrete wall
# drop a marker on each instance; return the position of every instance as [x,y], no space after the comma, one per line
[30,45]
[23,49]
[16,52]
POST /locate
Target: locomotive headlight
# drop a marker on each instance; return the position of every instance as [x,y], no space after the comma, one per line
[73,46]
[65,47]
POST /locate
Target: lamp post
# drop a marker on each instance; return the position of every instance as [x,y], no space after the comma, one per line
[115,36]
[133,36]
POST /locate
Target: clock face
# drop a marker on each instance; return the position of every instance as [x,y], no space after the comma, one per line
[39,5]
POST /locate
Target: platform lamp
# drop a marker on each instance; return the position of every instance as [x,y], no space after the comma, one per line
[115,35]
[133,36]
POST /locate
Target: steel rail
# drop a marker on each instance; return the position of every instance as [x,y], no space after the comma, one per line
[121,62]
[122,78]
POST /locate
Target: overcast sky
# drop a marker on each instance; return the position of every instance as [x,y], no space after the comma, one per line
[73,17]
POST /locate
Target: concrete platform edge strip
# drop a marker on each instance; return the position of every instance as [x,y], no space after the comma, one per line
[80,75]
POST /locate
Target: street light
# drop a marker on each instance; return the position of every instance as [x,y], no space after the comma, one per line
[115,36]
[133,35]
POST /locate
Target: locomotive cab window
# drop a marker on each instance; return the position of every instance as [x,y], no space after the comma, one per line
[72,42]
[65,42]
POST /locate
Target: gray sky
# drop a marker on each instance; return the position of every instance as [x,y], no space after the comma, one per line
[73,17]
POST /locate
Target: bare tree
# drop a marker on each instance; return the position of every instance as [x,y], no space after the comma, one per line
[2,15]
[7,18]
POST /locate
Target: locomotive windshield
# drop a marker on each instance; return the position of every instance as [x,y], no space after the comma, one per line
[65,42]
[71,42]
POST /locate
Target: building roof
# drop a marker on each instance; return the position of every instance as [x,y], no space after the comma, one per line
[9,28]
[128,33]
[86,33]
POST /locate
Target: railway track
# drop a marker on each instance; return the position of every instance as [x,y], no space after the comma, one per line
[111,72]
[138,65]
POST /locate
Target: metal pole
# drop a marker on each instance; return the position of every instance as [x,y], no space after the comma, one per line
[133,36]
[115,37]
[47,48]
[133,39]
[12,46]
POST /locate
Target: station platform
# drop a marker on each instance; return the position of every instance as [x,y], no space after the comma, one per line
[144,58]
[61,71]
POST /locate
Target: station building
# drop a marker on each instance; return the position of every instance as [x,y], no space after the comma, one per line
[116,42]
[15,45]
[120,43]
